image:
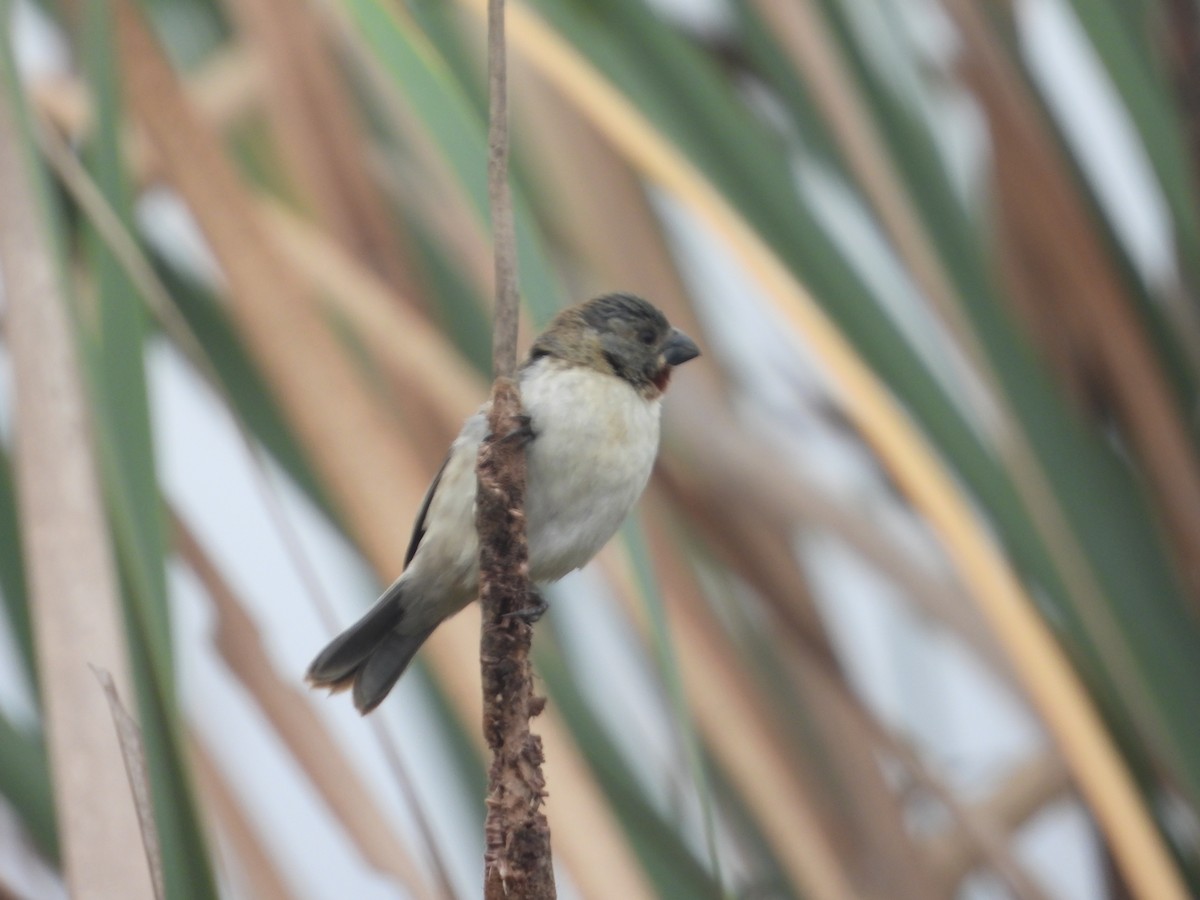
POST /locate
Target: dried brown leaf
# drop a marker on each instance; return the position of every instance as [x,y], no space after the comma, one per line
[320,138]
[303,732]
[253,860]
[1028,789]
[317,385]
[133,751]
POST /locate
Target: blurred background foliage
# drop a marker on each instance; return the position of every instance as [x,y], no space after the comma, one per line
[910,607]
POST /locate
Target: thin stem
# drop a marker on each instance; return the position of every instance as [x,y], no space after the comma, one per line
[504,333]
[517,860]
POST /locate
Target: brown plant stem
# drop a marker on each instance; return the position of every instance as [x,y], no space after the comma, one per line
[504,241]
[516,833]
[517,860]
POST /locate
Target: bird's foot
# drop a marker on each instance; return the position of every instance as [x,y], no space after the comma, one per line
[535,610]
[522,433]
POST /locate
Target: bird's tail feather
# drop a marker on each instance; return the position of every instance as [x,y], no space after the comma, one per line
[370,655]
[383,668]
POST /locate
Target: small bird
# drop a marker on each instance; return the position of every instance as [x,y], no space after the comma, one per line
[592,389]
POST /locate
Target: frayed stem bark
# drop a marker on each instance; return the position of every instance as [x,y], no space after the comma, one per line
[517,858]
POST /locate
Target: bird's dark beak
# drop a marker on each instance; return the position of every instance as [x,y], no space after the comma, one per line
[679,348]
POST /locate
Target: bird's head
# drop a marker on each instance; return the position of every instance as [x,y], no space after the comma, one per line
[621,335]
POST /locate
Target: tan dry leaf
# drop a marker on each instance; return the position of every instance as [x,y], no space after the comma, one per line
[77,616]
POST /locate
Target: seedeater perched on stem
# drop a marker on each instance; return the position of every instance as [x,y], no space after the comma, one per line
[592,389]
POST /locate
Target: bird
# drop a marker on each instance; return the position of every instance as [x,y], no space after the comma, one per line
[591,389]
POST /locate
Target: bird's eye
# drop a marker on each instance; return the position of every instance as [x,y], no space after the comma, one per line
[647,337]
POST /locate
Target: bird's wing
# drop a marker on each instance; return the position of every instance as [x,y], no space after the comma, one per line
[419,528]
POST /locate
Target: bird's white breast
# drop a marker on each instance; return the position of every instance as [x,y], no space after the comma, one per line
[595,440]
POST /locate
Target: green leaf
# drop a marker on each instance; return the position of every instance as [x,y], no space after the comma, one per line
[12,570]
[125,441]
[25,782]
[668,667]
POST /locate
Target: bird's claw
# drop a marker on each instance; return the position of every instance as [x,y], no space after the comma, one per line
[535,610]
[523,432]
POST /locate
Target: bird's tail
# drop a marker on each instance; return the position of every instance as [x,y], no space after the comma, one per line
[370,655]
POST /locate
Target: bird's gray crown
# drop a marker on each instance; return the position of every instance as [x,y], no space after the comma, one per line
[599,312]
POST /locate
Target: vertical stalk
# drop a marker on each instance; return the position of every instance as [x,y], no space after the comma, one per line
[517,861]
